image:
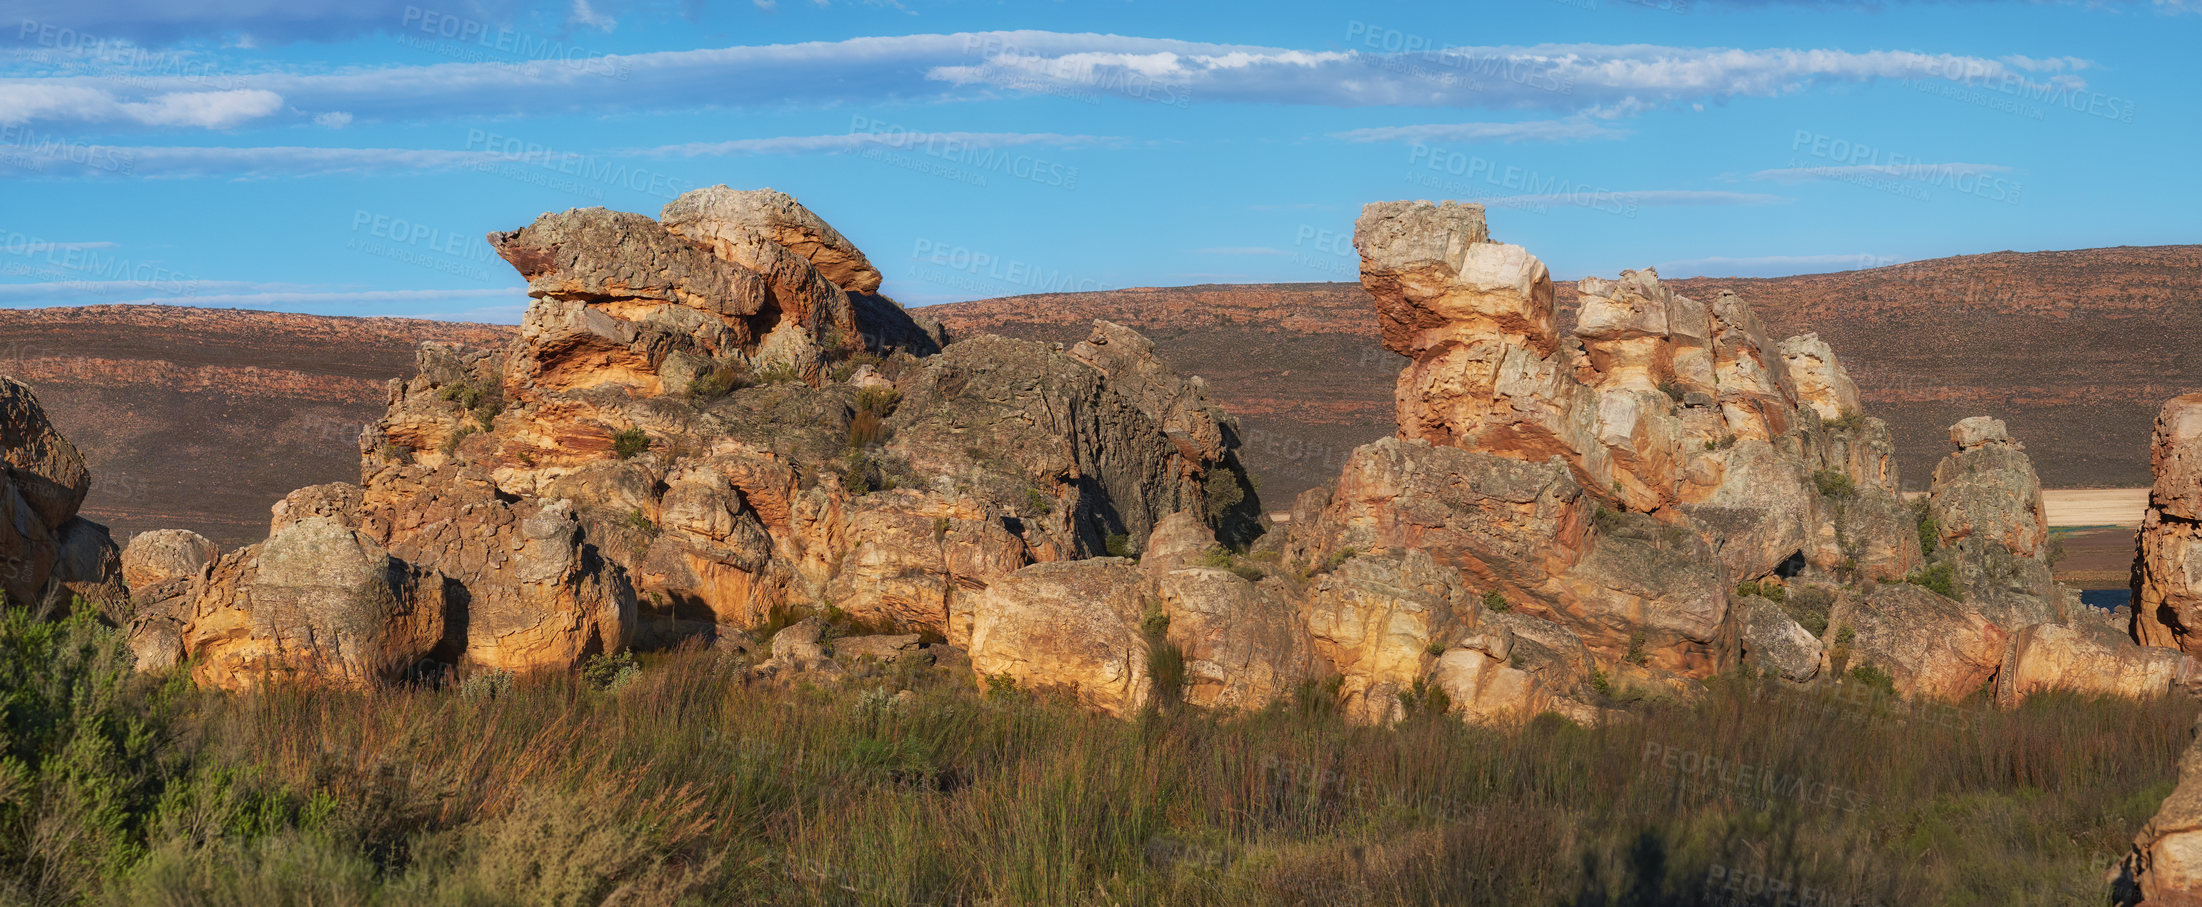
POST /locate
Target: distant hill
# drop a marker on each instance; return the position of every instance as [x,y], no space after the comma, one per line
[201,418]
[2076,350]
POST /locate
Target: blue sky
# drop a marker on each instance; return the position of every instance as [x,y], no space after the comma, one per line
[347,156]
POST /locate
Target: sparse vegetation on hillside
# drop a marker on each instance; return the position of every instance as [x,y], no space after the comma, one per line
[667,779]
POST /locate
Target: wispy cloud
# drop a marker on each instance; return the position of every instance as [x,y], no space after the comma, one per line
[1243,250]
[66,160]
[856,141]
[1774,265]
[1899,171]
[1572,130]
[1605,79]
[1605,198]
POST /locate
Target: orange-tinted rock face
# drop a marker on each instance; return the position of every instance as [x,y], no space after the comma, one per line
[2167,606]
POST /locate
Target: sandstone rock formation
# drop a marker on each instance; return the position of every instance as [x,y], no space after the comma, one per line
[2089,657]
[49,556]
[1930,646]
[1986,503]
[318,602]
[713,415]
[1620,480]
[2164,868]
[2167,574]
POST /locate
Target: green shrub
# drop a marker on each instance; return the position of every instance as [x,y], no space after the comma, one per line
[1636,655]
[780,373]
[1875,678]
[1766,589]
[610,671]
[1930,531]
[1832,484]
[1119,545]
[1850,419]
[627,442]
[1939,577]
[1224,490]
[720,380]
[1600,682]
[1038,504]
[1338,558]
[452,441]
[1810,607]
[1492,600]
[486,685]
[868,416]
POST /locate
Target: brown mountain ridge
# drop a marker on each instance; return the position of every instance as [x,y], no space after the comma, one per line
[2076,350]
[202,418]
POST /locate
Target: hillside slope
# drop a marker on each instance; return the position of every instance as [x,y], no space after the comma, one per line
[201,418]
[2076,350]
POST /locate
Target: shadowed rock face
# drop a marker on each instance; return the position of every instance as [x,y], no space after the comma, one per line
[49,556]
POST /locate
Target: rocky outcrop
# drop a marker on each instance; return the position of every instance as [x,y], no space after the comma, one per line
[49,556]
[1618,480]
[1992,532]
[2165,865]
[2089,657]
[2167,574]
[1931,647]
[712,415]
[1774,642]
[318,602]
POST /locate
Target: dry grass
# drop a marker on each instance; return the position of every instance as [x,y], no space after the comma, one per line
[687,786]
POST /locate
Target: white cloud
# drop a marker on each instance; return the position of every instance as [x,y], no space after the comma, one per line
[1928,172]
[1774,265]
[585,15]
[62,159]
[1607,80]
[806,144]
[1530,131]
[1614,200]
[335,119]
[1243,250]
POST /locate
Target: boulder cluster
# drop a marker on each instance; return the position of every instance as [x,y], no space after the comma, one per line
[706,419]
[712,421]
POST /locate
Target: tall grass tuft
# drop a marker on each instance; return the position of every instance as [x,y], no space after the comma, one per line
[687,784]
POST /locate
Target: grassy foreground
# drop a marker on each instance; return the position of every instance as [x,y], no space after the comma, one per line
[678,784]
